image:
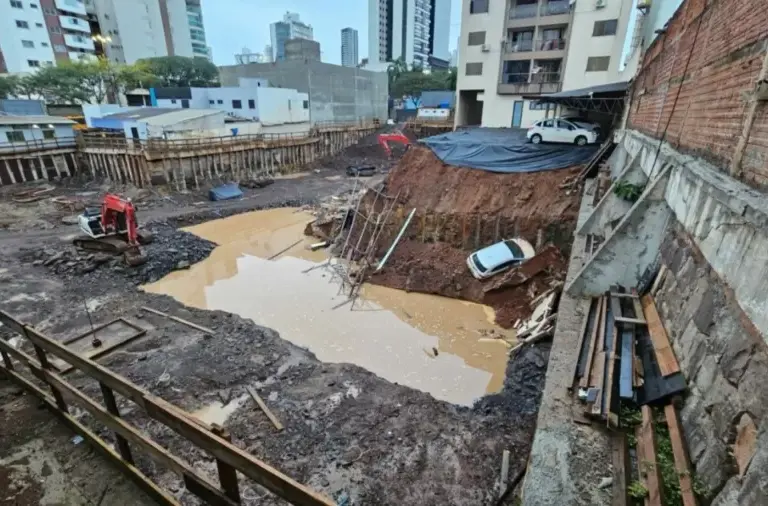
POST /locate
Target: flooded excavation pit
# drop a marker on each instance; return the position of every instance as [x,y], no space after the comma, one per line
[260,271]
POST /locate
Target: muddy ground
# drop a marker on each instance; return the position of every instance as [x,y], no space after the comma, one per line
[347,431]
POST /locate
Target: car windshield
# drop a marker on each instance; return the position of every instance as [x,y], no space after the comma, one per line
[515,249]
[476,261]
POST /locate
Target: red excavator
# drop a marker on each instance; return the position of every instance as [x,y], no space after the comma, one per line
[113,228]
[396,136]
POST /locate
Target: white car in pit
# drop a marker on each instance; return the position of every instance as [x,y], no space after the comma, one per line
[498,257]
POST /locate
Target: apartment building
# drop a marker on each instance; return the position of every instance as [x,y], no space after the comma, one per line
[412,30]
[35,33]
[349,54]
[291,27]
[199,43]
[522,48]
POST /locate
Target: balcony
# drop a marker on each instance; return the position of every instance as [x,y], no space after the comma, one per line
[75,56]
[534,49]
[530,84]
[79,42]
[555,8]
[75,24]
[74,6]
[523,11]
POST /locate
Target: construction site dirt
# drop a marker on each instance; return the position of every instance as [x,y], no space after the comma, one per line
[348,432]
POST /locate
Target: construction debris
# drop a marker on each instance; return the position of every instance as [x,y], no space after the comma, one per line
[260,402]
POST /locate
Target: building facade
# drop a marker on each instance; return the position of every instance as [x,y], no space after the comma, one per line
[349,51]
[519,48]
[291,27]
[247,56]
[302,49]
[197,29]
[412,30]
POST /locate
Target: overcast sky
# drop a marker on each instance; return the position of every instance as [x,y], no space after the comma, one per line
[231,25]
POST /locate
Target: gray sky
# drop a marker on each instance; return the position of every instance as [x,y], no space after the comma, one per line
[231,25]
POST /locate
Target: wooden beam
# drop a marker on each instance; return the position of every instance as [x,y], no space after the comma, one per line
[664,354]
[682,464]
[264,408]
[111,404]
[179,320]
[584,382]
[612,418]
[621,465]
[160,410]
[582,339]
[646,459]
[130,471]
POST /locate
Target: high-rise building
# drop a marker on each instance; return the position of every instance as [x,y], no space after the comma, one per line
[197,29]
[291,27]
[349,55]
[247,56]
[512,50]
[412,30]
[40,33]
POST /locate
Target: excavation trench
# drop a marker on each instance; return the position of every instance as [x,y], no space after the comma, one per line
[262,269]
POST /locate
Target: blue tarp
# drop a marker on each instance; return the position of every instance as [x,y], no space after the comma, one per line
[504,150]
[225,192]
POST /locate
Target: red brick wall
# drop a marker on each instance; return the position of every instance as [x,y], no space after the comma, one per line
[56,38]
[726,56]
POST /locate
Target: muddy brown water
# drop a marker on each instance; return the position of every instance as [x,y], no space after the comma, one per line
[390,332]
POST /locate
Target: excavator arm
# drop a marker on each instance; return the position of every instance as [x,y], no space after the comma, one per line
[385,139]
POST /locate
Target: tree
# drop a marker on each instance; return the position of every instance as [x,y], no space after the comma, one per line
[178,71]
[9,86]
[395,70]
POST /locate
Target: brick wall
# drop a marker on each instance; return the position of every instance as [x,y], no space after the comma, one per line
[726,42]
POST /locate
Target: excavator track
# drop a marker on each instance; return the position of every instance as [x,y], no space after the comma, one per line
[113,245]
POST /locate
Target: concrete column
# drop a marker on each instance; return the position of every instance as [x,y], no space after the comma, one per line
[8,171]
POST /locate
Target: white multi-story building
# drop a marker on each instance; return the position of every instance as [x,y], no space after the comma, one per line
[513,49]
[412,30]
[291,27]
[197,29]
[349,54]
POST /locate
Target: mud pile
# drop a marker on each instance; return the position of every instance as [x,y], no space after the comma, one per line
[459,210]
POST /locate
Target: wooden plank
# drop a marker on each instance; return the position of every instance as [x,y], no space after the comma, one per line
[584,382]
[612,418]
[597,407]
[681,458]
[100,352]
[264,408]
[664,354]
[227,473]
[130,471]
[598,366]
[582,339]
[649,469]
[625,295]
[111,404]
[620,461]
[179,320]
[171,416]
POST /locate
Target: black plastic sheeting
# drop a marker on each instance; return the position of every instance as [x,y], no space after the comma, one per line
[505,150]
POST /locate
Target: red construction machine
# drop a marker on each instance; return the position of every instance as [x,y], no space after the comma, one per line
[396,136]
[113,228]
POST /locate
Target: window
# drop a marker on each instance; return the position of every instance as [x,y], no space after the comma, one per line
[60,48]
[538,106]
[607,27]
[39,25]
[33,63]
[55,29]
[27,43]
[16,4]
[478,6]
[251,104]
[34,6]
[17,136]
[237,104]
[44,44]
[474,69]
[306,104]
[49,11]
[219,101]
[550,123]
[598,63]
[49,134]
[185,104]
[173,100]
[211,102]
[565,125]
[476,38]
[21,24]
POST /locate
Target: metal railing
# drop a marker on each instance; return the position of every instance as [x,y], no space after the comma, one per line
[524,11]
[555,8]
[37,145]
[520,46]
[546,82]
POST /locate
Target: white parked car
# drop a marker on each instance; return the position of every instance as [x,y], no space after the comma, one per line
[560,130]
[493,259]
[583,123]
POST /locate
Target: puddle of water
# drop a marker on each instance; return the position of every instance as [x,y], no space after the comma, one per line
[217,413]
[390,332]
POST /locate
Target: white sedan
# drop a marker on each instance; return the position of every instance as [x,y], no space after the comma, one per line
[499,257]
[560,130]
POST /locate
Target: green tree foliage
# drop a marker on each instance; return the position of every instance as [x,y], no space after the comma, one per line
[179,71]
[8,86]
[404,82]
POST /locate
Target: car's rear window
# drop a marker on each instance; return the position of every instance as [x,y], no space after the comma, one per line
[515,249]
[477,263]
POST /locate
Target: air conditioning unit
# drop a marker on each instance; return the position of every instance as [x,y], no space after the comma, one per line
[486,48]
[599,4]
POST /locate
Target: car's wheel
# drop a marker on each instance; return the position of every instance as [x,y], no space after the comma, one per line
[536,139]
[581,140]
